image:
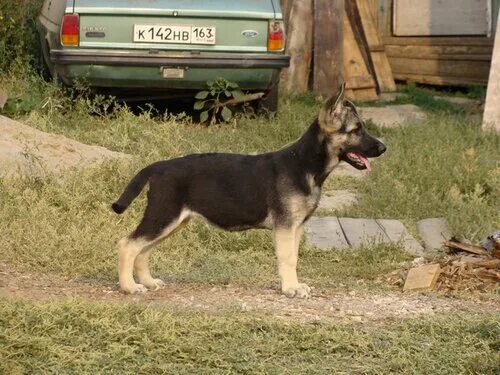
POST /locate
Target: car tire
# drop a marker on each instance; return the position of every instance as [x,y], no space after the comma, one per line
[269,103]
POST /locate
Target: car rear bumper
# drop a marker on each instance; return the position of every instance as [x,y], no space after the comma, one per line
[158,58]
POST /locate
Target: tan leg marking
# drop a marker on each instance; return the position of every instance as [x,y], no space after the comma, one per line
[133,254]
[141,265]
[287,245]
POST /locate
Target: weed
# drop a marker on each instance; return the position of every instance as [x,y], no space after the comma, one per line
[211,101]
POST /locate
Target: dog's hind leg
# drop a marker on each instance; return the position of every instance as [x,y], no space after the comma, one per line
[287,242]
[141,265]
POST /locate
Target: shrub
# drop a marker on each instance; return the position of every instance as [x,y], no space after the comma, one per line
[18,34]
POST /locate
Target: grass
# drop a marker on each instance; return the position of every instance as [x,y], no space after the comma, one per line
[83,337]
[443,167]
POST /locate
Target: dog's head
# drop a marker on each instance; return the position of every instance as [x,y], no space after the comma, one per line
[340,122]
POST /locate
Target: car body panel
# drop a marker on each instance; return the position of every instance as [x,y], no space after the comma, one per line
[116,32]
[114,60]
[185,8]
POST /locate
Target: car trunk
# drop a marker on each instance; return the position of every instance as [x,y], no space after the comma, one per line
[204,25]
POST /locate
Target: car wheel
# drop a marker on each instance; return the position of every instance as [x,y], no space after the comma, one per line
[269,103]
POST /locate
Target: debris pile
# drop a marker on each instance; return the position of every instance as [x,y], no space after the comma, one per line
[468,267]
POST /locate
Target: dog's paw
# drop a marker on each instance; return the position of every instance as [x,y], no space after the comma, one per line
[135,289]
[299,291]
[154,284]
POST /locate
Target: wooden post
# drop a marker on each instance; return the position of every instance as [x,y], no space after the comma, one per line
[286,6]
[299,46]
[491,117]
[328,46]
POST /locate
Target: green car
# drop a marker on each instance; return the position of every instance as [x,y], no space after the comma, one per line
[139,48]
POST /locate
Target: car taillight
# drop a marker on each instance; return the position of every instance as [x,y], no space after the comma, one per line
[70,30]
[276,38]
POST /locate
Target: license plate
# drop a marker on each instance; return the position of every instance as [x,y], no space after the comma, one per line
[173,73]
[174,34]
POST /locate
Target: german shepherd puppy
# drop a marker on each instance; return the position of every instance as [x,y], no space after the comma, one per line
[276,190]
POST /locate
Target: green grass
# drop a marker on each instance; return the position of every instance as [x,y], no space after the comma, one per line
[81,337]
[443,167]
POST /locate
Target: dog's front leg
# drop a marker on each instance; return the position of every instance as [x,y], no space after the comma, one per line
[287,245]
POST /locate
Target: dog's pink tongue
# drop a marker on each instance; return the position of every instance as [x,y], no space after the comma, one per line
[363,160]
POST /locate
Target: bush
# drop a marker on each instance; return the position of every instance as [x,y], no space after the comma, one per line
[18,34]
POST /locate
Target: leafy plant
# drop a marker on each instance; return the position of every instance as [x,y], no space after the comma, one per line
[214,102]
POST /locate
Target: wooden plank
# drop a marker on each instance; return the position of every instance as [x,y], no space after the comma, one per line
[326,233]
[383,72]
[352,14]
[286,7]
[328,46]
[364,95]
[356,72]
[443,17]
[439,80]
[440,52]
[295,79]
[450,68]
[491,118]
[438,41]
[422,278]
[396,231]
[362,231]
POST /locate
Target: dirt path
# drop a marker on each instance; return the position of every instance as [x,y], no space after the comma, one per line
[324,305]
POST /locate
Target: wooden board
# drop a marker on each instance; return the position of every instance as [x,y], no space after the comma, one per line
[443,17]
[422,278]
[328,46]
[295,79]
[453,68]
[491,118]
[356,71]
[383,72]
[451,52]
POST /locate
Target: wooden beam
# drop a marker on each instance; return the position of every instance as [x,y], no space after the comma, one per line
[381,67]
[491,118]
[328,46]
[300,38]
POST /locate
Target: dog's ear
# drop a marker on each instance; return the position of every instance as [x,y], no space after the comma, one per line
[332,113]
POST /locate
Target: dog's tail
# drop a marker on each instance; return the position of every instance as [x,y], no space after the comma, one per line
[132,190]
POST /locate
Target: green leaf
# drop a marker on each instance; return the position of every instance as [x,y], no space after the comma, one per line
[210,83]
[201,95]
[199,105]
[228,94]
[238,94]
[226,114]
[204,116]
[233,85]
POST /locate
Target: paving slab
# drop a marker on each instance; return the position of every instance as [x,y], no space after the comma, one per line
[391,96]
[396,231]
[344,169]
[337,199]
[458,100]
[362,231]
[392,116]
[326,233]
[433,232]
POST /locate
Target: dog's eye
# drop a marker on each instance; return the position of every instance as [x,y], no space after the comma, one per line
[355,131]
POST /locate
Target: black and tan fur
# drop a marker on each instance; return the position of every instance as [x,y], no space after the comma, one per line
[276,190]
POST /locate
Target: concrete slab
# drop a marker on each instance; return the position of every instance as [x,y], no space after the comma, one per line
[337,200]
[433,232]
[468,102]
[346,170]
[392,116]
[362,231]
[326,233]
[391,96]
[396,231]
